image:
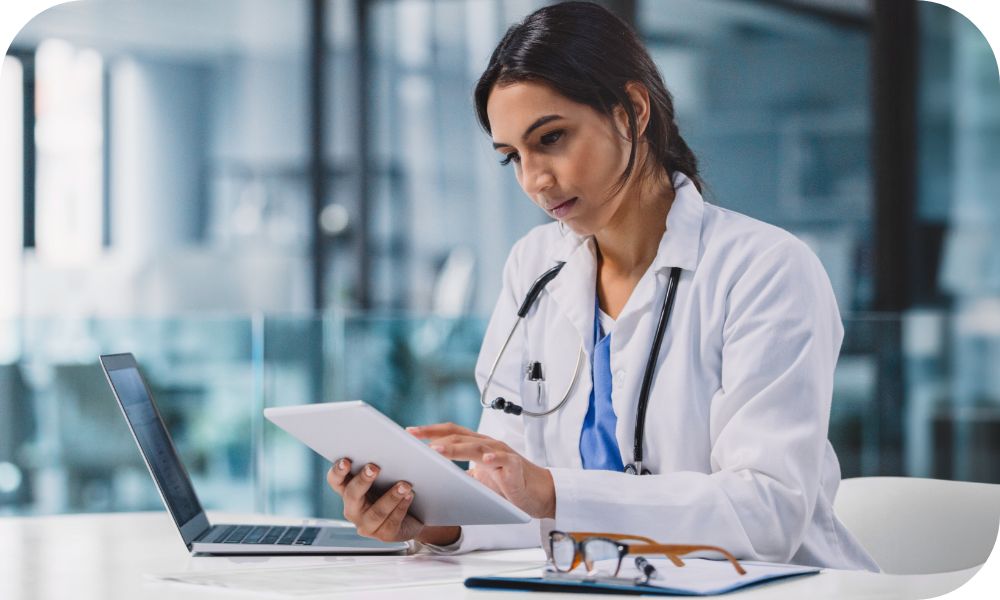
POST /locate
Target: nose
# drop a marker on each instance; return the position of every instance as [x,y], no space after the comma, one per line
[536,176]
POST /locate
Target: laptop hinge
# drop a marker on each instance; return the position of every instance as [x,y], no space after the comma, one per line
[204,534]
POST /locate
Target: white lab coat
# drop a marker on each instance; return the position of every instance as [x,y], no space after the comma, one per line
[736,431]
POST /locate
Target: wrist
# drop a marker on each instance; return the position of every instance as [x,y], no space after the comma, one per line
[439,535]
[548,508]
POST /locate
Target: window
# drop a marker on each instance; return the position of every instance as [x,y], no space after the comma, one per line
[69,140]
[11,189]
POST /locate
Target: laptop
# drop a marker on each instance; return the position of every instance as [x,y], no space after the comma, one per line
[174,485]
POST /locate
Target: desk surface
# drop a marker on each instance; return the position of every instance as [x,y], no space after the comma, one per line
[110,556]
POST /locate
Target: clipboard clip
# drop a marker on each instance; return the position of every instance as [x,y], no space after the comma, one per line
[583,577]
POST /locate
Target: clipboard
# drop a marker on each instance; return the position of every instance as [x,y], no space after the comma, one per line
[709,577]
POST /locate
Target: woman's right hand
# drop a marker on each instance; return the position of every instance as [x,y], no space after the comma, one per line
[385,518]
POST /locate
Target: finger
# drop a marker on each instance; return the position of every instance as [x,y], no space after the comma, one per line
[465,449]
[440,430]
[379,510]
[507,463]
[392,525]
[457,438]
[486,478]
[358,486]
[338,475]
[498,459]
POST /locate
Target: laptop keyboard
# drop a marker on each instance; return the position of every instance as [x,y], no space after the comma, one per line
[263,534]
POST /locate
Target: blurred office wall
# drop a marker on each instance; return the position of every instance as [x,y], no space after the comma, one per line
[157,197]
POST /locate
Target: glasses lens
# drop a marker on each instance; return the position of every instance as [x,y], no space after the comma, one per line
[563,550]
[601,556]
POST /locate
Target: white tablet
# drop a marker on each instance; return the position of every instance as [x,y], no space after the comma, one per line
[445,494]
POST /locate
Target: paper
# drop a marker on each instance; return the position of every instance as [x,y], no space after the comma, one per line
[369,574]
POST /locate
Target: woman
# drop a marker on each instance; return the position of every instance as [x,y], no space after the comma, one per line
[741,386]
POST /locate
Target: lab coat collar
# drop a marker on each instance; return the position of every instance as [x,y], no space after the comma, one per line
[680,244]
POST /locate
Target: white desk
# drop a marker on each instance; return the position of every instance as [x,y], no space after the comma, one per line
[107,557]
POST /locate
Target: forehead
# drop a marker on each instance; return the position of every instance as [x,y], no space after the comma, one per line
[513,108]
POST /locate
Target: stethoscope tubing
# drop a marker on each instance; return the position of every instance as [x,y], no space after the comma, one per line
[496,362]
[647,377]
[635,467]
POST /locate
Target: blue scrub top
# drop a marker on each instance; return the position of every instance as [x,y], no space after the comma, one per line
[598,445]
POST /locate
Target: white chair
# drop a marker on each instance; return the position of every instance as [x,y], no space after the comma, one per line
[911,525]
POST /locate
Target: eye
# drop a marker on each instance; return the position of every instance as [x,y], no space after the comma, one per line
[513,156]
[552,137]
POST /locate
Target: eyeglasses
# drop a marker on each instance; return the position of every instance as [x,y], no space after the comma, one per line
[568,550]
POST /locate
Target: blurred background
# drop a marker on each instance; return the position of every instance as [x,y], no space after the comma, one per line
[275,202]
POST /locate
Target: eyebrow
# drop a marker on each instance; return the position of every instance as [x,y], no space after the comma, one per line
[538,123]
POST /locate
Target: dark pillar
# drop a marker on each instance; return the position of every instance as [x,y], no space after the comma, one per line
[363,229]
[313,337]
[316,126]
[28,139]
[894,139]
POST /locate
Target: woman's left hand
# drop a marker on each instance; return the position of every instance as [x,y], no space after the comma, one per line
[525,484]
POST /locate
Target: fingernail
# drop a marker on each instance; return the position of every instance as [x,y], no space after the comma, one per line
[437,448]
[401,490]
[412,428]
[488,457]
[370,472]
[342,464]
[409,496]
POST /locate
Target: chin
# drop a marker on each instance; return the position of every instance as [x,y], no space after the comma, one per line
[582,229]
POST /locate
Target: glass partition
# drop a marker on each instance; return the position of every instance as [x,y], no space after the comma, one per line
[65,443]
[64,446]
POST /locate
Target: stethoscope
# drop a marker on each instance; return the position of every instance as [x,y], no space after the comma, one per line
[534,370]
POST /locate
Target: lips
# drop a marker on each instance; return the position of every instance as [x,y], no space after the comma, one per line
[562,209]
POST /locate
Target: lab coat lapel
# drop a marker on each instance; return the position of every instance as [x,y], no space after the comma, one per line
[574,289]
[633,334]
[569,328]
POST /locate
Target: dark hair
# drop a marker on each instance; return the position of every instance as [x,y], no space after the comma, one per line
[587,54]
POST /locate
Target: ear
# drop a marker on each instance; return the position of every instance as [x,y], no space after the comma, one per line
[638,95]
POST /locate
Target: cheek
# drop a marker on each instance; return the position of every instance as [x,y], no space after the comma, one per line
[595,166]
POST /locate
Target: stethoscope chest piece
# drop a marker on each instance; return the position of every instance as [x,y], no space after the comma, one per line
[636,469]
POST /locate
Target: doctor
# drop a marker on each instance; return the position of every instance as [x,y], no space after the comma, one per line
[734,436]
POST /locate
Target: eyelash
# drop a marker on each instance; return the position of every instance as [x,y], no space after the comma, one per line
[547,140]
[510,157]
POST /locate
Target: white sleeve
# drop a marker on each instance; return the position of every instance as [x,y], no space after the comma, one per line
[496,424]
[768,426]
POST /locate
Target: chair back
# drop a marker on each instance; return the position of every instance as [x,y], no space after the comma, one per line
[911,525]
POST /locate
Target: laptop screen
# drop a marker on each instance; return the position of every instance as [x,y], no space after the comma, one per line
[155,444]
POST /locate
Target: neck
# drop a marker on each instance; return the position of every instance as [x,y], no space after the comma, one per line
[628,245]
